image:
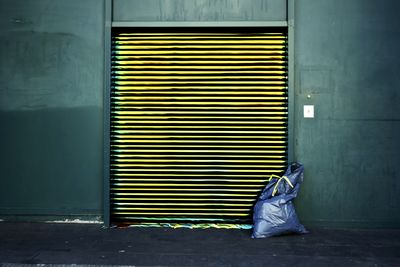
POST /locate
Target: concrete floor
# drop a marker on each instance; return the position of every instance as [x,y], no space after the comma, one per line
[40,244]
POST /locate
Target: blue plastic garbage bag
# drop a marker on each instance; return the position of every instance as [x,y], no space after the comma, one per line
[274,212]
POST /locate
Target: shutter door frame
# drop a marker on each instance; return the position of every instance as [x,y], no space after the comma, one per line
[288,105]
[110,24]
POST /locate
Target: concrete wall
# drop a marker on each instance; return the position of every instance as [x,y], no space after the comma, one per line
[51,95]
[346,59]
[199,10]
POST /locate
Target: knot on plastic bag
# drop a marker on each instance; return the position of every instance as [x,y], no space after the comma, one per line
[277,183]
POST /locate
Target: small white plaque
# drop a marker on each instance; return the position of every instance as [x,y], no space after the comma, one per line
[308,111]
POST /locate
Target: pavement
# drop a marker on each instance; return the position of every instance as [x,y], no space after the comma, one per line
[82,245]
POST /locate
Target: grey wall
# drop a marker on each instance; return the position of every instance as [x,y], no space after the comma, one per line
[199,10]
[346,58]
[51,83]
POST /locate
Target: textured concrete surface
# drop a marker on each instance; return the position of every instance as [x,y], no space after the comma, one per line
[39,244]
[51,107]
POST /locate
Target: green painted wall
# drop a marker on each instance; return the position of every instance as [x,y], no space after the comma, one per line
[51,95]
[199,10]
[346,58]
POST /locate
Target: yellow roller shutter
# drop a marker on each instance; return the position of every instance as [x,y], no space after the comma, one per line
[198,124]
